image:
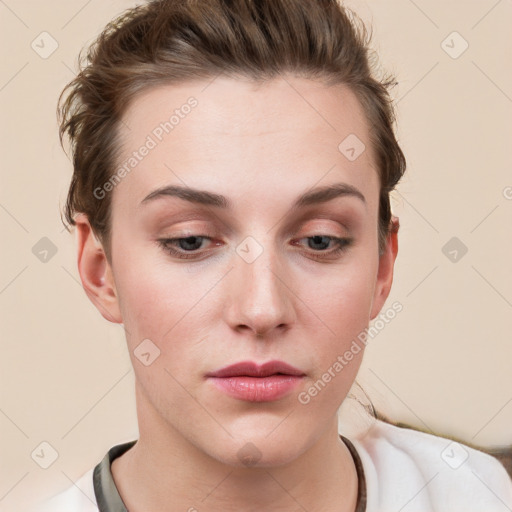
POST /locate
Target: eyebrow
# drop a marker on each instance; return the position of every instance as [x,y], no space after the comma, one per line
[311,197]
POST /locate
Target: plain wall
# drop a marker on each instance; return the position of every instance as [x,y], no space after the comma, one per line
[442,364]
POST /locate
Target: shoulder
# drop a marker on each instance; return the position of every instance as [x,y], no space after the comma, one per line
[79,497]
[425,472]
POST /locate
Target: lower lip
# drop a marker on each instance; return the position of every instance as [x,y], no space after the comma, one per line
[257,389]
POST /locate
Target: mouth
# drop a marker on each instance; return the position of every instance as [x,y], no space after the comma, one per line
[253,383]
[251,369]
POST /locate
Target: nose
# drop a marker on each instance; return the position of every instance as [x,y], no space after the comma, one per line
[260,298]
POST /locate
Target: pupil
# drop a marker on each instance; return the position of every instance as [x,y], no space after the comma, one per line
[317,239]
[190,240]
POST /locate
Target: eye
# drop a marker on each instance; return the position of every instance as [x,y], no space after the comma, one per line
[179,247]
[320,242]
[189,247]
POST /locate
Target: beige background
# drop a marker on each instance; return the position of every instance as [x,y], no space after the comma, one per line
[443,364]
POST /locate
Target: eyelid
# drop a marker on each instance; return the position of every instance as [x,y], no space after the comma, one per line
[347,218]
[325,222]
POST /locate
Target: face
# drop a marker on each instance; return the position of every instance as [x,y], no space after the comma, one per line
[203,281]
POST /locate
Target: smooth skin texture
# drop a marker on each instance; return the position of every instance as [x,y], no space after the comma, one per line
[261,146]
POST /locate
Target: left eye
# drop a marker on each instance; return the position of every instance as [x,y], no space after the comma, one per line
[317,240]
[340,245]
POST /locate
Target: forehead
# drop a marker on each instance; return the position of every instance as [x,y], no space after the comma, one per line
[233,133]
[242,107]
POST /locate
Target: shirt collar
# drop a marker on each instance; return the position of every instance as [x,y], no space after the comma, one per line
[109,500]
[107,495]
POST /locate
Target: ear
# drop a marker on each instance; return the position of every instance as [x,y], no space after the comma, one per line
[386,267]
[95,271]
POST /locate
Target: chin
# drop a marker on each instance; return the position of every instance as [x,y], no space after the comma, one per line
[254,449]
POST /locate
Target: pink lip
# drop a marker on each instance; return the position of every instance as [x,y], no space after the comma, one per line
[251,369]
[248,381]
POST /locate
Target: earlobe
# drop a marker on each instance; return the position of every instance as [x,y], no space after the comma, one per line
[386,268]
[95,271]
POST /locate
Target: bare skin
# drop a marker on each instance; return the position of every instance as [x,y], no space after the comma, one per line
[298,301]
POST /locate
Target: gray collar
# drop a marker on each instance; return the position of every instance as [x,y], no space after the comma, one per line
[108,499]
[107,495]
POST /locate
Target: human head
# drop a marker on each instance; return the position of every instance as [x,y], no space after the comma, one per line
[165,42]
[139,69]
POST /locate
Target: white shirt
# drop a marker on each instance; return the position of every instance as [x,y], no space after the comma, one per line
[404,470]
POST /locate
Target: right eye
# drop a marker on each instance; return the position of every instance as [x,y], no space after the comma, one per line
[179,247]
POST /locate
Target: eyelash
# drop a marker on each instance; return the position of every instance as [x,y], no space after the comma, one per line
[341,245]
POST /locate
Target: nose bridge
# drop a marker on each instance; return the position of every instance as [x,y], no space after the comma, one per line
[261,299]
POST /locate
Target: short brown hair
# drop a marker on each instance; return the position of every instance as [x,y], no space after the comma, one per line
[171,41]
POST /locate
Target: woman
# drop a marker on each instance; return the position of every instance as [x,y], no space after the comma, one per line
[232,169]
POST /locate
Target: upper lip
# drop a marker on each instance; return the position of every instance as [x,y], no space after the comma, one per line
[252,369]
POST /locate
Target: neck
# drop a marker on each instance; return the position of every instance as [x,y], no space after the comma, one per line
[165,472]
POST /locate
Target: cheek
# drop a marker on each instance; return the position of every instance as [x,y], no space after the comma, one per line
[149,300]
[338,307]
[342,299]
[158,302]
[152,307]
[155,308]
